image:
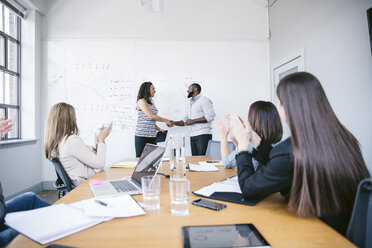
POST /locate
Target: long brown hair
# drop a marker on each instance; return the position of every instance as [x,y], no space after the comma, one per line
[328,163]
[60,123]
[144,92]
[265,121]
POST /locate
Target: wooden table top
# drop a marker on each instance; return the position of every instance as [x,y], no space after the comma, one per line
[160,229]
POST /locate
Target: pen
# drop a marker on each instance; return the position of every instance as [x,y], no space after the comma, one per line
[101,202]
[213,162]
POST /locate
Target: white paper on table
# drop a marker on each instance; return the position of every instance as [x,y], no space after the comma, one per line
[219,187]
[204,167]
[119,207]
[230,180]
[48,224]
[78,205]
[216,162]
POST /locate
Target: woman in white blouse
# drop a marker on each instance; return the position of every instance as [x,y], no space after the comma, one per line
[62,141]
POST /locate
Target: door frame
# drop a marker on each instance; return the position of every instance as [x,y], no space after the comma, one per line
[297,59]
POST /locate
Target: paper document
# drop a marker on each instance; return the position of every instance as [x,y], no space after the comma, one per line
[123,164]
[47,224]
[214,162]
[228,185]
[199,167]
[230,180]
[120,206]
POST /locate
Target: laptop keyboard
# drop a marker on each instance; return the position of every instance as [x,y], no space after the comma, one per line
[123,186]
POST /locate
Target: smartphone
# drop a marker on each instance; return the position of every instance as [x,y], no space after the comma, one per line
[209,204]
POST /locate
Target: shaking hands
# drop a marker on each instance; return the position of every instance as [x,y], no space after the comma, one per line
[170,123]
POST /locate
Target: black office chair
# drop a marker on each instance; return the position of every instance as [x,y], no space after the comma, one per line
[214,148]
[63,183]
[359,230]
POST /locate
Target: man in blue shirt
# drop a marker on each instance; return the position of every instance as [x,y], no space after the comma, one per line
[200,114]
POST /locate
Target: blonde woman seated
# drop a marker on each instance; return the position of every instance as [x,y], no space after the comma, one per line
[265,121]
[62,141]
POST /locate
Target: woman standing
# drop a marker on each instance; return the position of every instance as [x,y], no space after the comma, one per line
[147,117]
[62,141]
[317,169]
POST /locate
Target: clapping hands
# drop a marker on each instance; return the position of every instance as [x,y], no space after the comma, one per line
[5,126]
[221,129]
[242,131]
[103,133]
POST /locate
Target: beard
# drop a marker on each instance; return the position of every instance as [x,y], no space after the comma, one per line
[190,94]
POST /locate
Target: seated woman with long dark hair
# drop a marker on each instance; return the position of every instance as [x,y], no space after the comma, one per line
[317,169]
[264,120]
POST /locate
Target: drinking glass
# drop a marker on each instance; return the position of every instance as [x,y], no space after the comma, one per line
[151,192]
[179,191]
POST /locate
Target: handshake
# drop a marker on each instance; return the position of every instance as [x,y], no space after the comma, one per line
[170,123]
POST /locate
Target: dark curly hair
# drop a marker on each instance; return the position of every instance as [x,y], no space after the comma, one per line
[144,92]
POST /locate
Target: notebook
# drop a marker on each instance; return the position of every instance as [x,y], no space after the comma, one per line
[147,165]
[47,224]
[226,190]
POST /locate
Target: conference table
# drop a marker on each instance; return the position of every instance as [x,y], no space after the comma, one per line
[160,229]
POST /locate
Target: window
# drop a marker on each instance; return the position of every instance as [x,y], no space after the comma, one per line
[10,48]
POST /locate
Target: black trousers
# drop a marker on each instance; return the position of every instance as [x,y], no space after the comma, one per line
[140,143]
[199,144]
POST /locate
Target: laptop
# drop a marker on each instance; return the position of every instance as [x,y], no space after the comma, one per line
[148,165]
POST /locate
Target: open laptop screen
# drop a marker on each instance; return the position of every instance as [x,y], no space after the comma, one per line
[149,162]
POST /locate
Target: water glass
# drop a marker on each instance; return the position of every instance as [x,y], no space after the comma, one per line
[151,192]
[179,189]
[176,151]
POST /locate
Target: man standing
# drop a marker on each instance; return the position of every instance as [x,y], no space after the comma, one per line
[200,114]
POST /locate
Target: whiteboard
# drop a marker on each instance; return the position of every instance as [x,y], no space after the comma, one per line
[101,78]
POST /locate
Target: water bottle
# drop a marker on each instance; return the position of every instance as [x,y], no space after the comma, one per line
[176,153]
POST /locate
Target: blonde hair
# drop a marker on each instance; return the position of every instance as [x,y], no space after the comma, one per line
[60,124]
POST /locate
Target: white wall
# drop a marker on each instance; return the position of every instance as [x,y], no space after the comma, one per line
[180,19]
[238,22]
[334,34]
[21,167]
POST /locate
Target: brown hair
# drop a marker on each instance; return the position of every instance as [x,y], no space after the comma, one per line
[144,92]
[265,121]
[328,164]
[60,123]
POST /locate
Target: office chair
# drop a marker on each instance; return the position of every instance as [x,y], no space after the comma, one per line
[359,230]
[214,148]
[63,183]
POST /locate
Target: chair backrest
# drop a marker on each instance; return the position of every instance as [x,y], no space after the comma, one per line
[214,148]
[359,230]
[62,173]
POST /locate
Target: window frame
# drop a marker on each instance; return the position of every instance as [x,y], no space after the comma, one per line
[5,70]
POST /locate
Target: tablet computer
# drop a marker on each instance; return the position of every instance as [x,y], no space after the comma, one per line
[238,235]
